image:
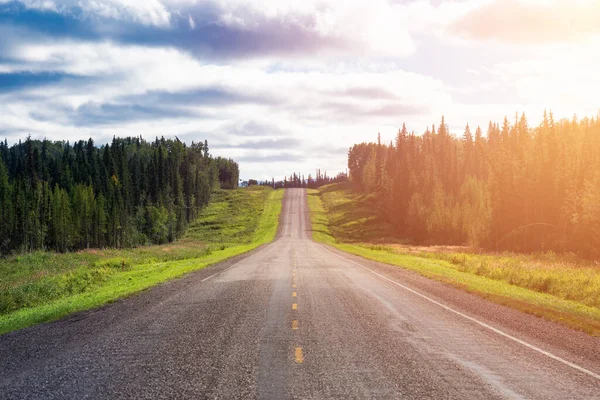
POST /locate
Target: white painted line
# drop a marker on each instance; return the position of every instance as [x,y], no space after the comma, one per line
[235,265]
[480,323]
[220,272]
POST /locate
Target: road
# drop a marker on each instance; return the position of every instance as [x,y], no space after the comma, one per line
[296,319]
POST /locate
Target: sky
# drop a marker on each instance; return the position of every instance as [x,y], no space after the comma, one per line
[283,86]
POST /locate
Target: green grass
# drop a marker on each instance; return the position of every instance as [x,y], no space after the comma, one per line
[561,288]
[43,286]
[353,216]
[233,218]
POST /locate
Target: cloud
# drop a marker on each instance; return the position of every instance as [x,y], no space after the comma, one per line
[567,84]
[224,29]
[265,144]
[367,92]
[104,114]
[520,21]
[253,128]
[145,12]
[281,157]
[209,95]
[282,85]
[109,89]
[346,110]
[19,81]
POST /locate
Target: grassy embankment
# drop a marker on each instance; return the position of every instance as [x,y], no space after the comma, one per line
[44,286]
[561,288]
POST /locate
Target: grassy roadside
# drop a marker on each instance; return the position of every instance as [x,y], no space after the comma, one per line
[43,287]
[560,289]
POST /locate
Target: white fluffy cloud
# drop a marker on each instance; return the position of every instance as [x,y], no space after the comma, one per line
[225,100]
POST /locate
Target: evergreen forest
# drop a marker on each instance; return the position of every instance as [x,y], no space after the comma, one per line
[298,180]
[514,187]
[63,197]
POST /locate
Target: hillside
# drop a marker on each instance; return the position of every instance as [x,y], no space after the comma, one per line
[354,216]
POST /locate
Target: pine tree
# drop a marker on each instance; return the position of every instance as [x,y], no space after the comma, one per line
[6,209]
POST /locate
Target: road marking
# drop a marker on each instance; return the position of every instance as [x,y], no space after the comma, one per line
[294,306]
[478,322]
[234,265]
[298,355]
[295,324]
[217,273]
[293,294]
[293,285]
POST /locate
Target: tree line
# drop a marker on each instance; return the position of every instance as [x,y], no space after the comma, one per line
[297,180]
[517,187]
[62,197]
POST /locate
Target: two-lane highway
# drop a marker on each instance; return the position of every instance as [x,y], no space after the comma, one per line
[296,319]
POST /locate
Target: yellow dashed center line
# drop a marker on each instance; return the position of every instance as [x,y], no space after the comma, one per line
[299,356]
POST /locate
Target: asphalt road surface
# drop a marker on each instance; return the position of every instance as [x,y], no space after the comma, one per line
[295,319]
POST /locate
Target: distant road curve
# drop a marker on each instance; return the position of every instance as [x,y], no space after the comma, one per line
[296,319]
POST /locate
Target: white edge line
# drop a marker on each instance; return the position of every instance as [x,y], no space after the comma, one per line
[234,265]
[480,323]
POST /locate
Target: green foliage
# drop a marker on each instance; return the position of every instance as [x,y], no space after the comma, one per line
[43,286]
[6,217]
[115,263]
[353,216]
[123,194]
[520,188]
[157,228]
[474,212]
